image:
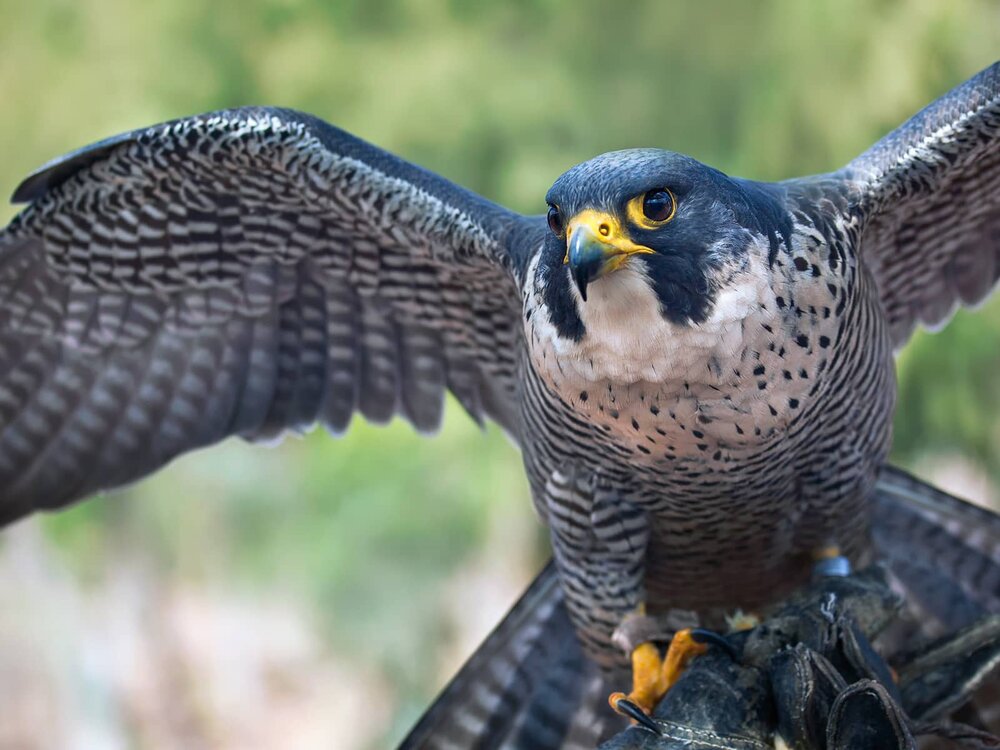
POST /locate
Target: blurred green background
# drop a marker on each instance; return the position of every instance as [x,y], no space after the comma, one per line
[319,593]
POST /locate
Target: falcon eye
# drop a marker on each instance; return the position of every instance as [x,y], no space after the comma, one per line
[555,221]
[658,205]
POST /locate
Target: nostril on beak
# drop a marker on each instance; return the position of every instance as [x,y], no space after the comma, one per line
[604,229]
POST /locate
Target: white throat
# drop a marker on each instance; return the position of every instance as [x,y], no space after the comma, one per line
[628,340]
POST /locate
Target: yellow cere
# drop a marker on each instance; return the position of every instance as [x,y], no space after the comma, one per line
[608,229]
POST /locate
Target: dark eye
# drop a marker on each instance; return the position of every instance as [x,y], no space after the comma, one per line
[658,205]
[555,221]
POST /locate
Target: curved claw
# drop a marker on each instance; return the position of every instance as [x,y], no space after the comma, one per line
[622,705]
[711,638]
[653,676]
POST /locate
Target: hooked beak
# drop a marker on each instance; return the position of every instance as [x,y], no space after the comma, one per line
[597,246]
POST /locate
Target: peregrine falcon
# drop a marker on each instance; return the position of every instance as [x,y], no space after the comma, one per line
[697,368]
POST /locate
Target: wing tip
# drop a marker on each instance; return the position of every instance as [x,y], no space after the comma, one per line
[53,173]
[56,171]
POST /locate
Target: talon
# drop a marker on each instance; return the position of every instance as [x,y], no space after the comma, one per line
[683,648]
[647,685]
[652,676]
[647,677]
[711,638]
[622,705]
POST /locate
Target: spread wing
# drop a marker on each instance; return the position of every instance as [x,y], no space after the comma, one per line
[930,206]
[245,272]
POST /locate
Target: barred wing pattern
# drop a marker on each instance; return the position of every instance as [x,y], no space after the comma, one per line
[245,272]
[930,206]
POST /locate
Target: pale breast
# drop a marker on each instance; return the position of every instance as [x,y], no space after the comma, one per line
[714,389]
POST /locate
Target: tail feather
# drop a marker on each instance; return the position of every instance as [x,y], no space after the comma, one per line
[945,554]
[945,551]
[527,687]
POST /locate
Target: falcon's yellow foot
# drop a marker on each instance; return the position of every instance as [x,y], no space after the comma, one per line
[652,676]
[683,648]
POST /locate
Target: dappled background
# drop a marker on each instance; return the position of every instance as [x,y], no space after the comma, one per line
[319,593]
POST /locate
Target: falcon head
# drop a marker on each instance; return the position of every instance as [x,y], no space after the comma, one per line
[652,268]
[678,227]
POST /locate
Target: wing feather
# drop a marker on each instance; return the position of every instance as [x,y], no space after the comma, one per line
[929,203]
[245,272]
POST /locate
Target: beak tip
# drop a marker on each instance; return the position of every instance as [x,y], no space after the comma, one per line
[582,279]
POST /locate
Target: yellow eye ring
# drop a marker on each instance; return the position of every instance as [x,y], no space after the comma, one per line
[652,209]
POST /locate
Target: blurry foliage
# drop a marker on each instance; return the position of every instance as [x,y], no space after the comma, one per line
[500,97]
[949,392]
